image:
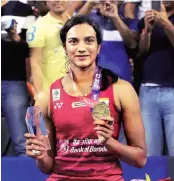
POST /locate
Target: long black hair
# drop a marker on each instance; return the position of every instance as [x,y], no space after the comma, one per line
[108,77]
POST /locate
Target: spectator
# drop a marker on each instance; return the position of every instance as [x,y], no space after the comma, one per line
[137,8]
[156,49]
[15,53]
[120,37]
[47,54]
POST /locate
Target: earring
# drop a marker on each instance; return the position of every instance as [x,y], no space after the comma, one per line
[66,56]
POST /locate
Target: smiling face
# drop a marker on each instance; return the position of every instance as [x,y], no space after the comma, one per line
[81,46]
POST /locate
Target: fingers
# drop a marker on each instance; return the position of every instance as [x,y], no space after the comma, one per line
[105,122]
[35,147]
[103,129]
[149,19]
[35,151]
[107,7]
[28,135]
[103,134]
[100,129]
[150,22]
[34,142]
[108,119]
[163,9]
[149,16]
[32,153]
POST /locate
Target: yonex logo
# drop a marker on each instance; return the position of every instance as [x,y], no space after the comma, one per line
[58,105]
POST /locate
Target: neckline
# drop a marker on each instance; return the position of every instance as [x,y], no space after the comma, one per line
[74,97]
[55,20]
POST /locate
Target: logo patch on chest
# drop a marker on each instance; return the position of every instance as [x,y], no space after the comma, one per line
[56,94]
[78,104]
[83,104]
[58,105]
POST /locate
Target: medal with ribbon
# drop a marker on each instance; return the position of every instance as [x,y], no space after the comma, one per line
[98,109]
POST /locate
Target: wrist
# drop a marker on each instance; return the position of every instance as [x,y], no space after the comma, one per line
[115,18]
[146,31]
[109,141]
[45,164]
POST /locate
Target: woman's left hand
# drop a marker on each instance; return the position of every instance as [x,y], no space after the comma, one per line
[104,127]
[161,17]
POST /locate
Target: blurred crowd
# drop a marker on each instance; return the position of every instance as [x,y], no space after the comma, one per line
[138,46]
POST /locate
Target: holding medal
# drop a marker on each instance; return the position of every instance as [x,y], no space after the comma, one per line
[100,111]
[83,112]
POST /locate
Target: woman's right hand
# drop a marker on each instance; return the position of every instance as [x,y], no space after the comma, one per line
[34,147]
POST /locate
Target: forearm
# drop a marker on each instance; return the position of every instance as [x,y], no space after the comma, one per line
[46,164]
[28,69]
[169,30]
[86,8]
[132,155]
[144,43]
[37,76]
[128,35]
[75,5]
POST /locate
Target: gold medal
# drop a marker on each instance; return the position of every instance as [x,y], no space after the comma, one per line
[101,110]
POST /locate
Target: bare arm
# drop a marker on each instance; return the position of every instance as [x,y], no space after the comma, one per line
[162,19]
[75,5]
[145,37]
[86,8]
[169,30]
[36,72]
[28,69]
[144,43]
[129,36]
[46,164]
[135,152]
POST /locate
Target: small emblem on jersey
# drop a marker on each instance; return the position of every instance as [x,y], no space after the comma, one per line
[78,104]
[56,94]
[63,146]
[105,100]
[58,105]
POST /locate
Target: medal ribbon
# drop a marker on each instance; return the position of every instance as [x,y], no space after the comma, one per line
[95,91]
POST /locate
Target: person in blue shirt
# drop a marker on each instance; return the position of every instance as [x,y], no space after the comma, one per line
[119,36]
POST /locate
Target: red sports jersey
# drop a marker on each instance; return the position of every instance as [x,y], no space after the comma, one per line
[79,154]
